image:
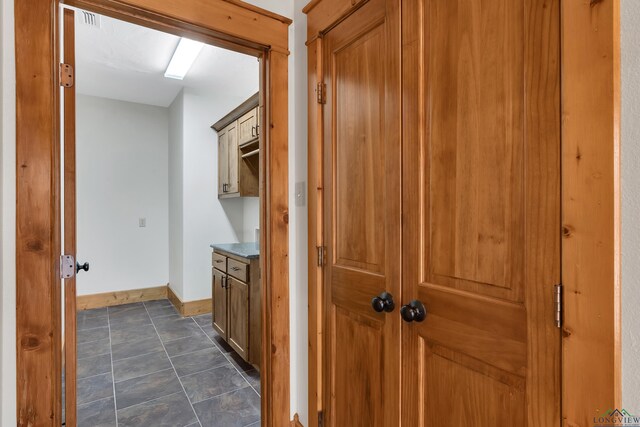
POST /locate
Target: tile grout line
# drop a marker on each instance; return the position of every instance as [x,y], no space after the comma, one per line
[234,366]
[113,379]
[174,368]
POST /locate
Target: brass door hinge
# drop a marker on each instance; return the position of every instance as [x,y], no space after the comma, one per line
[322,255]
[559,303]
[321,90]
[66,75]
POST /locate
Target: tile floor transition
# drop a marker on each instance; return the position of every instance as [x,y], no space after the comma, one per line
[142,364]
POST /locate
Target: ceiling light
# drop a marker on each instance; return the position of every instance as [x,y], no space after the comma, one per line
[183,58]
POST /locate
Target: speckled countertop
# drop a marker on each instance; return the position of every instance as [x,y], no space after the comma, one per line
[245,250]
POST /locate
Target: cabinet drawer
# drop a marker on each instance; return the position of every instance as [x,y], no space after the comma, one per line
[219,261]
[238,269]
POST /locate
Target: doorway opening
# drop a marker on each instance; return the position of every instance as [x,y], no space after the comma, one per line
[162,210]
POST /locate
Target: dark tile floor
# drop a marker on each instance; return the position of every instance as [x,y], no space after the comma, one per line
[142,364]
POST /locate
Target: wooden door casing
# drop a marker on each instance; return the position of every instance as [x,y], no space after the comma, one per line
[362,212]
[70,246]
[481,203]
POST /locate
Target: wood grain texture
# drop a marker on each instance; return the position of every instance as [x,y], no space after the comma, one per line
[591,209]
[322,15]
[188,308]
[219,293]
[108,299]
[295,422]
[227,21]
[274,247]
[482,209]
[38,298]
[224,24]
[69,184]
[316,230]
[238,317]
[361,189]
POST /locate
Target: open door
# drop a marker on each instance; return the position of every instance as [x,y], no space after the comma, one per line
[69,211]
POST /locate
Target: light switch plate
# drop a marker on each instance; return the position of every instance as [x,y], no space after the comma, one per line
[142,222]
[301,193]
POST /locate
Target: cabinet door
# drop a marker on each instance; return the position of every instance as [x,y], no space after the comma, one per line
[232,144]
[238,330]
[219,294]
[247,127]
[223,161]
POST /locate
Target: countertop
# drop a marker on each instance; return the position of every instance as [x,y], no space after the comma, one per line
[245,250]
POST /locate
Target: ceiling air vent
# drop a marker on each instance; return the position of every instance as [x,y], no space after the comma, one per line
[91,19]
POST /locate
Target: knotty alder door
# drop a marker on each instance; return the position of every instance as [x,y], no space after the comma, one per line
[362,202]
[481,203]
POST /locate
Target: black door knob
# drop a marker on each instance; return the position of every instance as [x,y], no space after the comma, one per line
[383,302]
[413,312]
[84,267]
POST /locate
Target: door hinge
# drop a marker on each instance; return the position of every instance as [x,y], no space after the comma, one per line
[559,305]
[321,92]
[67,266]
[322,255]
[320,418]
[66,75]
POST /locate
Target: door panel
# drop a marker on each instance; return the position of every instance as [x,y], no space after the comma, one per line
[481,245]
[232,144]
[238,329]
[223,161]
[219,292]
[362,213]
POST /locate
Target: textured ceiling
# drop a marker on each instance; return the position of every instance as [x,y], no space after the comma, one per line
[124,61]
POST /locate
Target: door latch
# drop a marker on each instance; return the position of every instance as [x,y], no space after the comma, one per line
[67,266]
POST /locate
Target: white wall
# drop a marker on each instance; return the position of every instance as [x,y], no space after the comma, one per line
[630,46]
[203,219]
[7,317]
[176,258]
[122,175]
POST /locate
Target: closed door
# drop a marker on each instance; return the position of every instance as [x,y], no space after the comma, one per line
[232,144]
[362,201]
[223,161]
[219,293]
[247,127]
[481,238]
[238,328]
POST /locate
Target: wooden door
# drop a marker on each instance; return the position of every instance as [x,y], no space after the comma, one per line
[232,143]
[238,328]
[223,161]
[481,202]
[219,293]
[69,221]
[362,202]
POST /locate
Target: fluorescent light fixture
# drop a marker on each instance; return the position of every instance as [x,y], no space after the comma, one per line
[183,58]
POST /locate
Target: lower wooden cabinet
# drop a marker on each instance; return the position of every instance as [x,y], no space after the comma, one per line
[238,309]
[236,304]
[219,296]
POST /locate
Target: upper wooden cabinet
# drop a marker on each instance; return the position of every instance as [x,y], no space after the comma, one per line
[248,127]
[238,150]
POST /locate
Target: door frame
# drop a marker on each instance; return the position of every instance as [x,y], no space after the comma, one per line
[230,24]
[590,174]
